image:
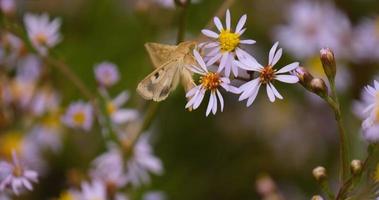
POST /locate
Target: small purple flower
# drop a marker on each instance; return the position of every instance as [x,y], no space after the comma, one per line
[79,115]
[107,74]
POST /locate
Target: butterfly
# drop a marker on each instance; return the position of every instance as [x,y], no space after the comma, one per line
[171,64]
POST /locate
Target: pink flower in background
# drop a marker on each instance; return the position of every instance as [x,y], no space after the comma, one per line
[79,115]
[43,33]
[15,176]
[106,74]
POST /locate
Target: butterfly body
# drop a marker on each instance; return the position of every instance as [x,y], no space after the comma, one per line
[171,63]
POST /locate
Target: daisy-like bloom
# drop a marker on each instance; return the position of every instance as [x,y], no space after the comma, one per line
[79,115]
[209,81]
[17,177]
[366,40]
[368,109]
[142,162]
[112,159]
[226,44]
[266,76]
[106,74]
[313,25]
[43,33]
[120,115]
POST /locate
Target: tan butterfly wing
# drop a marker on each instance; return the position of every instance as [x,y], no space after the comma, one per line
[158,85]
[160,53]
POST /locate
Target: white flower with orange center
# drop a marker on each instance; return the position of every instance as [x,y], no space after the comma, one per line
[209,81]
[16,176]
[42,33]
[79,115]
[266,76]
[226,44]
[368,109]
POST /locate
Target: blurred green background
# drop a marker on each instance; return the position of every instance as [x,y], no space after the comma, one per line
[217,157]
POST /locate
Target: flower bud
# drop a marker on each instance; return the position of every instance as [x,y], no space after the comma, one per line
[328,63]
[317,197]
[356,167]
[304,76]
[319,173]
[319,87]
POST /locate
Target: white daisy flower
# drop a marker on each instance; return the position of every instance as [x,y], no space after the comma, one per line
[106,74]
[112,159]
[368,109]
[120,115]
[313,25]
[226,44]
[42,33]
[79,115]
[209,81]
[16,176]
[267,75]
[142,162]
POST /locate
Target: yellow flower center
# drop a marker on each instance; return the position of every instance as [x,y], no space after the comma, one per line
[111,108]
[10,141]
[267,74]
[18,171]
[79,118]
[41,38]
[229,41]
[210,81]
[66,196]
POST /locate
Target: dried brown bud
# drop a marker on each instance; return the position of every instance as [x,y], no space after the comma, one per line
[304,76]
[317,197]
[319,87]
[319,173]
[328,63]
[356,167]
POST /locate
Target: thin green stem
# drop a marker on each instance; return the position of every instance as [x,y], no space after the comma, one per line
[344,147]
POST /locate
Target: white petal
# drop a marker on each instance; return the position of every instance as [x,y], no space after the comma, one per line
[228,20]
[214,59]
[276,93]
[241,23]
[287,78]
[252,97]
[223,61]
[270,93]
[288,68]
[214,108]
[199,60]
[218,23]
[277,56]
[209,33]
[199,98]
[272,52]
[210,105]
[247,41]
[221,100]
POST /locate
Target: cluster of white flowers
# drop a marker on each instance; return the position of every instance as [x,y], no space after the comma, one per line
[225,50]
[312,25]
[368,110]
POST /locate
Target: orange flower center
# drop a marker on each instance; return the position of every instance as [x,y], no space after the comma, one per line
[210,81]
[267,74]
